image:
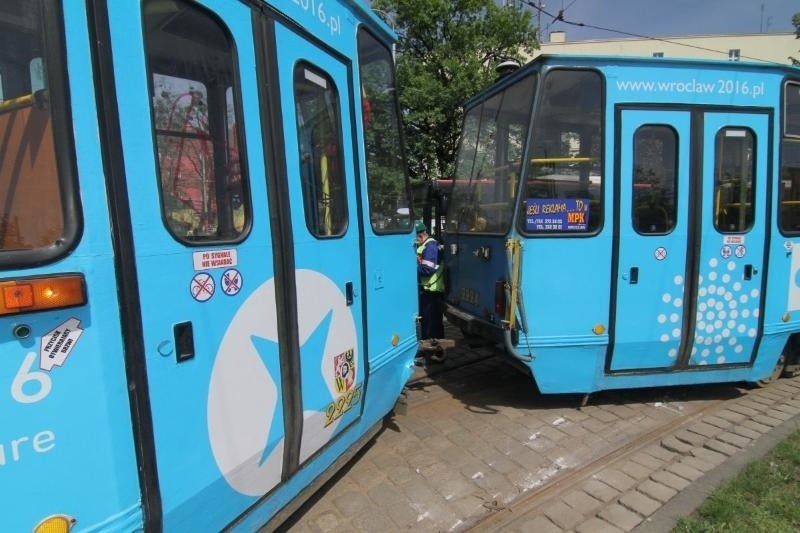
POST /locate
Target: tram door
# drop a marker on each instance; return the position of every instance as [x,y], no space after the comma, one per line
[690,252]
[320,171]
[187,96]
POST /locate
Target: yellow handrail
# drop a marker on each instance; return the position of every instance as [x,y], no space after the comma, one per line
[563,160]
[514,246]
[17,103]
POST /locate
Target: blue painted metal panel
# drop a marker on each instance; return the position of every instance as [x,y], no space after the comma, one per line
[729,305]
[66,441]
[330,330]
[650,303]
[217,451]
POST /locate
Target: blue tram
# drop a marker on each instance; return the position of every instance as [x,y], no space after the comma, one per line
[201,308]
[631,222]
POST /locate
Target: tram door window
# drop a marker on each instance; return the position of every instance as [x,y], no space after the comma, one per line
[654,179]
[194,111]
[320,145]
[734,170]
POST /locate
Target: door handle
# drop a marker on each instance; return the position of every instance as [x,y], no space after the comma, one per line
[184,341]
[749,271]
[348,292]
[633,278]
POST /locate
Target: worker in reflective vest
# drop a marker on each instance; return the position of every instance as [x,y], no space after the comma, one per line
[431,284]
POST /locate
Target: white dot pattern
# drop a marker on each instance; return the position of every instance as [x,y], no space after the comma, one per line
[727,315]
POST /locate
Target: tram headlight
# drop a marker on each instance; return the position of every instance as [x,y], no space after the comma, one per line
[59,523]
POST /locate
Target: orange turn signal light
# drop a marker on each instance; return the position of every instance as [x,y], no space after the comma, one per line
[41,293]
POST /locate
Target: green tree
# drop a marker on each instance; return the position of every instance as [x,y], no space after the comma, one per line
[447,52]
[796,23]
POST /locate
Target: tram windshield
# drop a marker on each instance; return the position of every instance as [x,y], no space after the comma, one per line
[489,160]
[563,177]
[30,190]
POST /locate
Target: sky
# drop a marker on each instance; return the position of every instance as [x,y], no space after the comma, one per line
[666,18]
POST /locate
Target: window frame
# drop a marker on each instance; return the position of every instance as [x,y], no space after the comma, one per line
[363,30]
[538,103]
[238,133]
[338,123]
[786,139]
[784,108]
[675,181]
[58,94]
[467,214]
[750,214]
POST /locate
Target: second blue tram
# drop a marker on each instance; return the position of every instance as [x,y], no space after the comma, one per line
[631,222]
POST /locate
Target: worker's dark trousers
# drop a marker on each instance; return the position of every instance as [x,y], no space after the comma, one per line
[430,309]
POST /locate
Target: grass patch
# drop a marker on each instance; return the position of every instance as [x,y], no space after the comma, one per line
[765,496]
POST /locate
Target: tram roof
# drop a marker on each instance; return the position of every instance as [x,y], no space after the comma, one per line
[360,6]
[600,61]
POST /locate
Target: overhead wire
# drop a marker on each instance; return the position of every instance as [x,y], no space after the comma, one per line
[563,9]
[560,18]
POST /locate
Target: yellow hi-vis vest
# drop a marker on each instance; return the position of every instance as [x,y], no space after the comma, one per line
[435,281]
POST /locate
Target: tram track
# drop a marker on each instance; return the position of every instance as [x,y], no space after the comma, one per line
[479,449]
[438,388]
[501,517]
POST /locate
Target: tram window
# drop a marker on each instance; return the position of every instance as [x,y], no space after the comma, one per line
[387,184]
[33,184]
[734,172]
[791,109]
[194,109]
[489,160]
[563,180]
[321,162]
[654,179]
[789,190]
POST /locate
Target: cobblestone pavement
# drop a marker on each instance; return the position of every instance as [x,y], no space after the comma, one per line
[478,448]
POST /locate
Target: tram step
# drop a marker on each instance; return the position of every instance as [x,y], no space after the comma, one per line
[435,345]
